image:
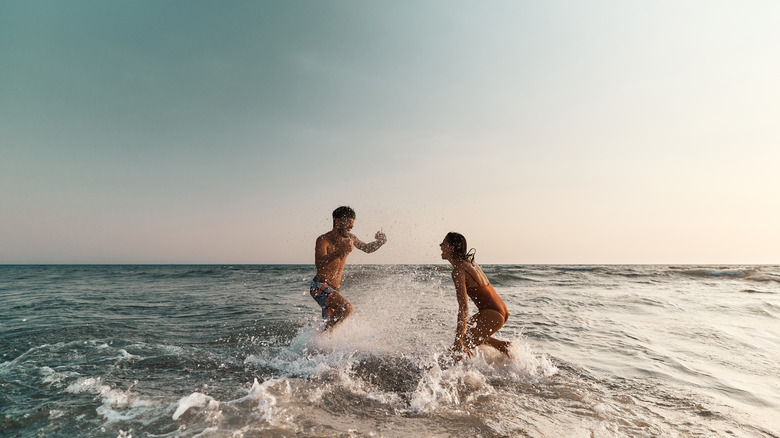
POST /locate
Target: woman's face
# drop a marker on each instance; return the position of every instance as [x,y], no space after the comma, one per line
[446,250]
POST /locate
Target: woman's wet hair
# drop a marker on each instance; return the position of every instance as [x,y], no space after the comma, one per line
[459,245]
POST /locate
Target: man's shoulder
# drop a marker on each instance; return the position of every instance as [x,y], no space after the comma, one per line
[327,237]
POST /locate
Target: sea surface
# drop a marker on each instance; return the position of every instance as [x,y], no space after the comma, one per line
[237,351]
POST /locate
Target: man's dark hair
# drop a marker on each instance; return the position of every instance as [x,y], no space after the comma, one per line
[343,212]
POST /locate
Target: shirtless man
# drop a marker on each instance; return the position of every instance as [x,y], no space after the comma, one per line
[330,256]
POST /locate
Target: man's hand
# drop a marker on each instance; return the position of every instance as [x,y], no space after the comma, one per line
[345,246]
[380,237]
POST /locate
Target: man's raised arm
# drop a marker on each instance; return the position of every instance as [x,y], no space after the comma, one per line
[380,237]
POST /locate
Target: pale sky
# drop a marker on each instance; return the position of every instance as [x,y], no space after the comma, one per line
[555,132]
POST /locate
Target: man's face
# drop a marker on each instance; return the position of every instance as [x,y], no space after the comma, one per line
[344,226]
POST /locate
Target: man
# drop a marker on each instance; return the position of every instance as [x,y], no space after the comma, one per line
[330,256]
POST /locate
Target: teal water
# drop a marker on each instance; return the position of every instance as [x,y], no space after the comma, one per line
[213,351]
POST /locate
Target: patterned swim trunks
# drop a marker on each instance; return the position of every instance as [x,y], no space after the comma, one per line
[320,291]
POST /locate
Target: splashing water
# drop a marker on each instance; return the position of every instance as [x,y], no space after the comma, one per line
[228,351]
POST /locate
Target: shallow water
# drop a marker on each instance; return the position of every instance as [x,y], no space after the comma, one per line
[217,351]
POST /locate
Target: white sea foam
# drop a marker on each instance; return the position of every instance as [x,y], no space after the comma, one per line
[210,431]
[266,402]
[473,377]
[352,360]
[195,400]
[117,404]
[299,358]
[446,387]
[54,378]
[522,361]
[261,402]
[55,413]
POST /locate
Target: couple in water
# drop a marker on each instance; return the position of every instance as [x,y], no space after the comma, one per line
[330,256]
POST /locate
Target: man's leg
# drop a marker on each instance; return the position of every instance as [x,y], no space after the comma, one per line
[339,308]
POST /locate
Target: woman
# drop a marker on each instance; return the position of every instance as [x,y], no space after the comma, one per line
[471,281]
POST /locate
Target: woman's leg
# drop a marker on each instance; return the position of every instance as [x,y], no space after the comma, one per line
[482,325]
[502,346]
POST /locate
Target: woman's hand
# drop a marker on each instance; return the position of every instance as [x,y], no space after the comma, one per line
[459,349]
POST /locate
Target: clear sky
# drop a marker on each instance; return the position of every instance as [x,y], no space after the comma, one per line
[545,132]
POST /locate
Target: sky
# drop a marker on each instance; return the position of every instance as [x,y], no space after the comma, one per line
[554,132]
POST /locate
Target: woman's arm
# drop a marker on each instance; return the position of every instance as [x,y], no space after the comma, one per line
[459,279]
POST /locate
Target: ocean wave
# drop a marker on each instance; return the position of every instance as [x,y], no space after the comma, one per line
[506,279]
[755,291]
[755,274]
[765,277]
[579,268]
[618,271]
[720,272]
[596,351]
